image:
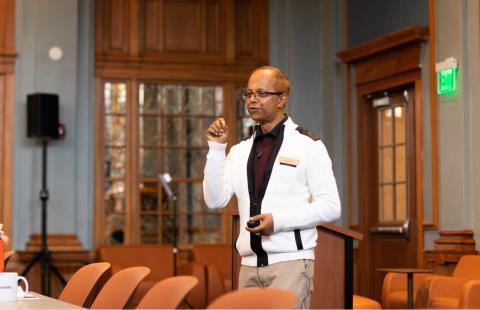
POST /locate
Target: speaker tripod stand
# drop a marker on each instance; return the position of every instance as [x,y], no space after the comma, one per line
[44,257]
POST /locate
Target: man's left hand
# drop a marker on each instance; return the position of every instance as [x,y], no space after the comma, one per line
[266,224]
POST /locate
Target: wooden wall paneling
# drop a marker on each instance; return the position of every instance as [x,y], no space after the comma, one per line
[419,177]
[132,194]
[262,17]
[214,31]
[7,174]
[131,153]
[244,23]
[383,43]
[229,40]
[2,147]
[432,44]
[230,115]
[251,40]
[176,72]
[7,77]
[3,25]
[183,26]
[187,31]
[366,196]
[134,29]
[99,181]
[113,27]
[153,25]
[396,61]
[182,31]
[448,249]
[7,27]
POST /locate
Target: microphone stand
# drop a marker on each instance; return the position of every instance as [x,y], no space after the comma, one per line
[44,256]
[165,179]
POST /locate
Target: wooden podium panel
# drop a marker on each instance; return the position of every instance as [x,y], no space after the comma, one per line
[333,278]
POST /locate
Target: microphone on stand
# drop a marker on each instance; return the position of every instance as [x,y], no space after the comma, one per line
[165,179]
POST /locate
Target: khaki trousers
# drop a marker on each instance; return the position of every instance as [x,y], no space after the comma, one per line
[295,276]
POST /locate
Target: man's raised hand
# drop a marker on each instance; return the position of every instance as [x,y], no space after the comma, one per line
[218,131]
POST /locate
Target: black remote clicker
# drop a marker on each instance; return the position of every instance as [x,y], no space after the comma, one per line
[253,224]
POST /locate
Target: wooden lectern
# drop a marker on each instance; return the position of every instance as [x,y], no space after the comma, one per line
[333,280]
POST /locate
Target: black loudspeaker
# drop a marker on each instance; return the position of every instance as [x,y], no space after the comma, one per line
[42,116]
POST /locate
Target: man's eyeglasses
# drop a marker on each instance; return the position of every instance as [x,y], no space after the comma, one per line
[260,94]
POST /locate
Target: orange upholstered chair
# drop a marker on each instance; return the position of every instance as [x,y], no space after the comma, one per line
[394,290]
[168,293]
[461,290]
[80,287]
[360,302]
[255,298]
[6,257]
[197,297]
[217,259]
[219,255]
[116,293]
[159,258]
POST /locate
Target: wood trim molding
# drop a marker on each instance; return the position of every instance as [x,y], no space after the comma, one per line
[7,98]
[175,72]
[407,35]
[448,249]
[403,39]
[433,113]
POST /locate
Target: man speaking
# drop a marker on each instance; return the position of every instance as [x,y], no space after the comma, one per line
[283,180]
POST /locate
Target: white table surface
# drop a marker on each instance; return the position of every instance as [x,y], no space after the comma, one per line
[42,302]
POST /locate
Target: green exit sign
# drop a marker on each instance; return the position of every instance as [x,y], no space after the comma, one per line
[447,81]
[447,76]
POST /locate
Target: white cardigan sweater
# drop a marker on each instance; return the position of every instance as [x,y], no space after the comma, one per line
[299,198]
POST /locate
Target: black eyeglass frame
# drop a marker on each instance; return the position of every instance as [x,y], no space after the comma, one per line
[260,94]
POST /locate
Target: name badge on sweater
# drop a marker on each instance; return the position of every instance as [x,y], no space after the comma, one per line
[292,162]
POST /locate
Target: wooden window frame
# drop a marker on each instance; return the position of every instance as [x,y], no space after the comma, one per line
[238,44]
[132,194]
[7,100]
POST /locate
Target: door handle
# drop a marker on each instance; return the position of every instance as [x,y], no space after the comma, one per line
[403,230]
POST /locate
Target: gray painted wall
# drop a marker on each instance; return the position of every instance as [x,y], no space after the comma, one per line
[368,19]
[39,26]
[459,146]
[304,37]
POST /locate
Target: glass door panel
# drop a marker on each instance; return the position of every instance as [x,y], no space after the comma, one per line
[115,100]
[392,163]
[172,122]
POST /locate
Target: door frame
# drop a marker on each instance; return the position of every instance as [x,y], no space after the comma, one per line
[385,62]
[366,171]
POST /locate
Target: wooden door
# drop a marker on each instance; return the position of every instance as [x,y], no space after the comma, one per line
[387,182]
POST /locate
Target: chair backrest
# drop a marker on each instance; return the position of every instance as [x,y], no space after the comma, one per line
[218,254]
[255,298]
[6,257]
[118,289]
[215,285]
[168,293]
[158,258]
[468,267]
[80,286]
[197,297]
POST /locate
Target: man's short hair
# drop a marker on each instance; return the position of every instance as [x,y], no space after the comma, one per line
[282,81]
